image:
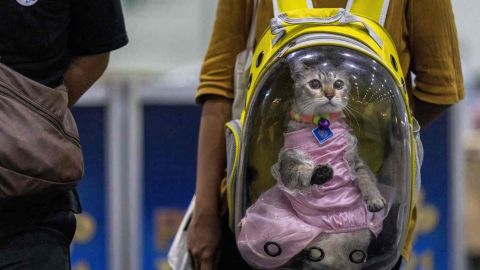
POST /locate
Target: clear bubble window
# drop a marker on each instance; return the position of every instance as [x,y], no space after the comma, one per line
[325,164]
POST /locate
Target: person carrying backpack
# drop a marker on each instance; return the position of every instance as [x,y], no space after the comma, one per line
[427,48]
[51,52]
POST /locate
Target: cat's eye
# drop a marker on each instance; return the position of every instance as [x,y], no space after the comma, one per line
[338,84]
[315,254]
[358,256]
[315,84]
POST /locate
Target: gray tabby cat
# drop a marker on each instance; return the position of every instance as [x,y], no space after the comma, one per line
[317,93]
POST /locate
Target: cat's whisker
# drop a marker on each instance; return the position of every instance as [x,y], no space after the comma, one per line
[358,91]
[352,119]
[372,98]
[376,99]
[353,109]
[350,113]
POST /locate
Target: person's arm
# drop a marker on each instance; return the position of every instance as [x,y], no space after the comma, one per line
[204,229]
[82,73]
[215,92]
[229,37]
[96,28]
[216,112]
[433,44]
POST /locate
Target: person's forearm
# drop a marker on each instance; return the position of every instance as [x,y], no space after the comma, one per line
[426,113]
[211,153]
[82,73]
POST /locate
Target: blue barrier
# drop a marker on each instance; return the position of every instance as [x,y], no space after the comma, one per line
[89,250]
[169,175]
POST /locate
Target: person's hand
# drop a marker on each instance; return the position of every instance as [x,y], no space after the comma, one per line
[204,229]
[203,239]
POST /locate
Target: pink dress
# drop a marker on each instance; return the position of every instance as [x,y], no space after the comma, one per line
[292,220]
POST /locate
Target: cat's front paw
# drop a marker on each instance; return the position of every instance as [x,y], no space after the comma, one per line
[376,204]
[322,174]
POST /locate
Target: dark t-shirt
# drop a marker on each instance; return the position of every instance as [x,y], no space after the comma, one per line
[39,37]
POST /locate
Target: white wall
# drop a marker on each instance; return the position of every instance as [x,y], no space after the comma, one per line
[168,39]
[165,36]
[468,26]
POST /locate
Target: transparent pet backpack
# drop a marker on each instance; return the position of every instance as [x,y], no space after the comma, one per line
[322,164]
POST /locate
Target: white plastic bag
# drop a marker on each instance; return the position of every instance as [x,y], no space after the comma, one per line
[178,257]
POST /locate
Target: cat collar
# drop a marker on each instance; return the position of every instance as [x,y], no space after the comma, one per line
[313,119]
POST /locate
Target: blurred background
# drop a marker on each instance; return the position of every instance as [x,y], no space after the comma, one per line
[139,130]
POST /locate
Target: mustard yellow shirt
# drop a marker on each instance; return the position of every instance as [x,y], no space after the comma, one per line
[423,31]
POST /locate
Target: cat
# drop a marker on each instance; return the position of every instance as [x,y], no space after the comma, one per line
[317,93]
[325,208]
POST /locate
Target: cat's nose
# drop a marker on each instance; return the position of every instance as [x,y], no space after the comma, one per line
[329,93]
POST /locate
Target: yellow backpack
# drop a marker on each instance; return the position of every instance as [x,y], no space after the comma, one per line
[329,43]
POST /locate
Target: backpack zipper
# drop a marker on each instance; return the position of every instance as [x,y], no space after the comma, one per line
[234,128]
[6,91]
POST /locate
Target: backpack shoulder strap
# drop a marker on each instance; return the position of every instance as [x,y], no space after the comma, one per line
[253,26]
[280,6]
[374,9]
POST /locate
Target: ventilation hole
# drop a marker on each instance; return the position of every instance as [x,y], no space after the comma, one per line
[394,62]
[358,256]
[272,249]
[260,59]
[315,254]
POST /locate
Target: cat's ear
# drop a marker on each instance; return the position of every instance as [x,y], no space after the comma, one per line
[298,69]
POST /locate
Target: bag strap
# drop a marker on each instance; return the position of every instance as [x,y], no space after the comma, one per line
[342,17]
[374,9]
[280,6]
[253,27]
